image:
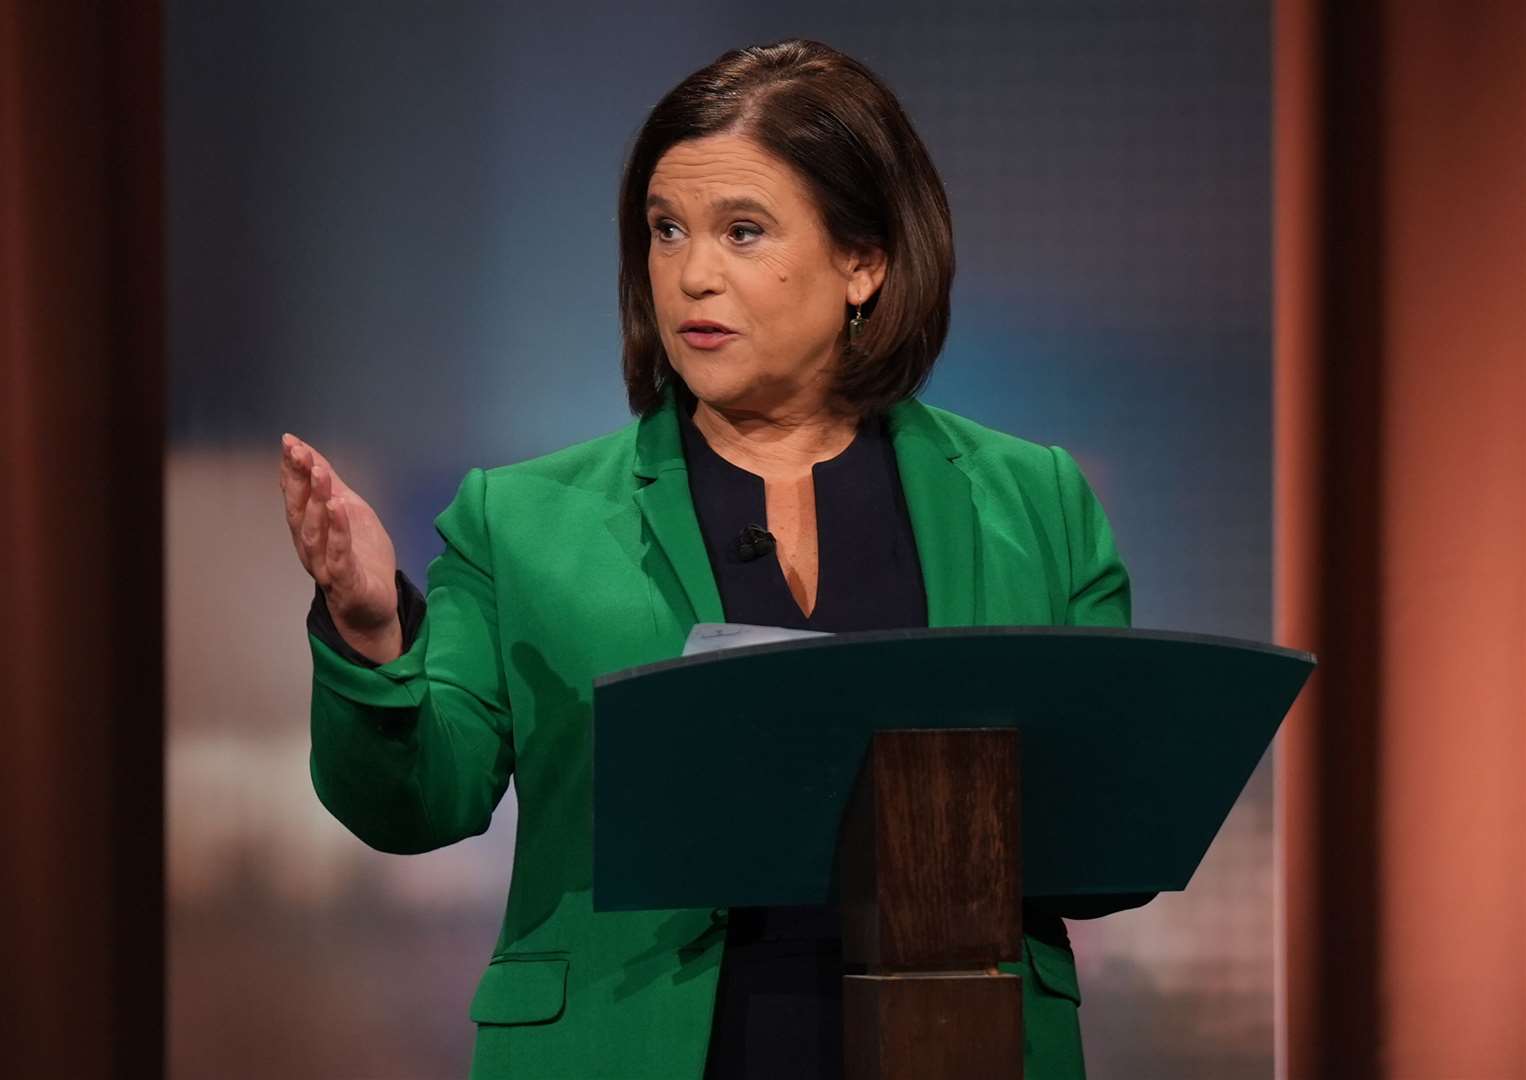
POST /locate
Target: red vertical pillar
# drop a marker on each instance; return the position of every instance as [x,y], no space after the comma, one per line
[1400,240]
[1453,836]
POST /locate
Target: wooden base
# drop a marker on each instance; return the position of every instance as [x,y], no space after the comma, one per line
[933,1026]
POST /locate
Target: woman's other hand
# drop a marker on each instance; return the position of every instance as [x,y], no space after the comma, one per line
[343,545]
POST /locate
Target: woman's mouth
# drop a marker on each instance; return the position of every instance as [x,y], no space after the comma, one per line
[705,335]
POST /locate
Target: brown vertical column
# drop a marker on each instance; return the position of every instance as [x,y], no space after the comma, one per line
[930,871]
[1401,535]
[81,419]
[1453,836]
[1328,506]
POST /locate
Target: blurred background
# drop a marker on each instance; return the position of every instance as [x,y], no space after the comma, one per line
[1257,265]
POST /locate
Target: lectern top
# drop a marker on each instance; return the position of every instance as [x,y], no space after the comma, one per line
[720,778]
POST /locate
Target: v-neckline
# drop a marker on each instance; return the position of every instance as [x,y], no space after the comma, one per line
[868,573]
[779,577]
[759,485]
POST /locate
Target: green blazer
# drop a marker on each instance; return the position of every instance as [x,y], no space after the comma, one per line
[590,560]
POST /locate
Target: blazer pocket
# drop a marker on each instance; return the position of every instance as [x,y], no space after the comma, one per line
[515,990]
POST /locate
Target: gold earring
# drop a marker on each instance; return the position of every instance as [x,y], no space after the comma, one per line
[856,324]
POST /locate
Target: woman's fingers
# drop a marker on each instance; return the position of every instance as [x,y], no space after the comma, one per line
[294,482]
[318,461]
[315,527]
[344,569]
[323,491]
[296,489]
[321,512]
[341,568]
[323,482]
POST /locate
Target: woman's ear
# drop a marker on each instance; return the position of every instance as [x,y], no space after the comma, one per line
[865,271]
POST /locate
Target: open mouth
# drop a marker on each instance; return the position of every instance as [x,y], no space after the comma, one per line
[699,335]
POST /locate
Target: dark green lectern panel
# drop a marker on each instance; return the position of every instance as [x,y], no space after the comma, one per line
[720,779]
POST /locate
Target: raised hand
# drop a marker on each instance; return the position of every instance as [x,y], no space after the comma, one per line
[343,545]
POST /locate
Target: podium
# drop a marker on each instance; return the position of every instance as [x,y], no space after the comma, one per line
[926,780]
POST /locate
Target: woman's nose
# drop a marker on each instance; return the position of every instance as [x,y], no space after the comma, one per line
[701,271]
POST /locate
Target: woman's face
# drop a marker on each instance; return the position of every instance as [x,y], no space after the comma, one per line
[736,240]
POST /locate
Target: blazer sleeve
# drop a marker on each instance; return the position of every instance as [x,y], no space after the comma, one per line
[415,754]
[1099,582]
[1099,596]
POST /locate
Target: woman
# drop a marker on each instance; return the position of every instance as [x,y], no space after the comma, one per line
[786,258]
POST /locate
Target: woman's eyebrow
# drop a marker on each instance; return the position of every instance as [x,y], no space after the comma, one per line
[729,204]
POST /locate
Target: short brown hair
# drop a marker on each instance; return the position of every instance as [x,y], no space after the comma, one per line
[844,132]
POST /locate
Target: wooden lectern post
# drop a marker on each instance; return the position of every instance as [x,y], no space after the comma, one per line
[931,888]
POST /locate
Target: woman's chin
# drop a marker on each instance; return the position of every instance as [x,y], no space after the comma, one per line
[720,388]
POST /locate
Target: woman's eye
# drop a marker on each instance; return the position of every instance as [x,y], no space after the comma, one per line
[741,234]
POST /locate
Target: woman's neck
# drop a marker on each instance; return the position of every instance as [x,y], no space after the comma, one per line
[783,444]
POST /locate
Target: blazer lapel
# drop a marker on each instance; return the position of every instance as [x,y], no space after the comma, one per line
[939,500]
[664,500]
